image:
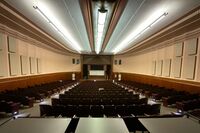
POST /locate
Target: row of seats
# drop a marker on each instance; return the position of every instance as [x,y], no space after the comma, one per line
[194,113]
[188,105]
[170,100]
[168,96]
[99,110]
[99,101]
[98,93]
[12,100]
[9,107]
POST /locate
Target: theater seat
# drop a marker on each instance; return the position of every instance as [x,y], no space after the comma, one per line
[46,110]
[96,111]
[109,111]
[69,111]
[83,111]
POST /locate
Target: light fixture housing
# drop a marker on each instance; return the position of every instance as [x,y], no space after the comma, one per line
[137,34]
[66,36]
[102,14]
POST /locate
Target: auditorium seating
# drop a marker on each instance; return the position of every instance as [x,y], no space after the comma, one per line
[182,100]
[46,110]
[96,111]
[109,111]
[178,98]
[12,100]
[9,107]
[188,105]
[194,114]
[99,99]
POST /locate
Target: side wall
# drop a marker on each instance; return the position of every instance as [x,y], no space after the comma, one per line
[173,64]
[164,62]
[23,64]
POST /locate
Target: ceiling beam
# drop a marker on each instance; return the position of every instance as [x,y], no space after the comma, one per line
[87,15]
[118,10]
[187,23]
[16,21]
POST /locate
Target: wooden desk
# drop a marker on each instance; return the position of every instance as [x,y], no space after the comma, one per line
[4,120]
[35,125]
[101,125]
[170,125]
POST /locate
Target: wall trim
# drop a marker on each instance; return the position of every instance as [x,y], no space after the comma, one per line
[31,32]
[183,28]
[177,84]
[32,80]
[10,32]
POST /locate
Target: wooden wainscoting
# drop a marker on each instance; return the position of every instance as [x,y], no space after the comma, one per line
[25,81]
[180,85]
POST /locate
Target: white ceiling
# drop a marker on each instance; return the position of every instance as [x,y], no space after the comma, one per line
[68,14]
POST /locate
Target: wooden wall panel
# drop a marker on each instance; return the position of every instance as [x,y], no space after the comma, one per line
[24,64]
[1,41]
[191,46]
[13,64]
[12,45]
[178,49]
[25,81]
[39,66]
[189,67]
[180,85]
[32,65]
[177,67]
[167,67]
[153,69]
[159,67]
[1,66]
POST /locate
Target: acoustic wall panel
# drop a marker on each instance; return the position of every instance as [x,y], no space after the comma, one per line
[191,46]
[159,66]
[1,64]
[177,67]
[153,67]
[32,65]
[120,62]
[166,67]
[115,62]
[39,65]
[24,65]
[77,61]
[1,41]
[13,64]
[73,61]
[12,46]
[178,49]
[189,67]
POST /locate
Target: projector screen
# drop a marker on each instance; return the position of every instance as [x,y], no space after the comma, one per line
[96,72]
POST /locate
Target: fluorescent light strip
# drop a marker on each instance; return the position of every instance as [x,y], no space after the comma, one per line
[52,25]
[144,30]
[102,17]
[41,13]
[100,29]
[71,41]
[120,46]
[160,18]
